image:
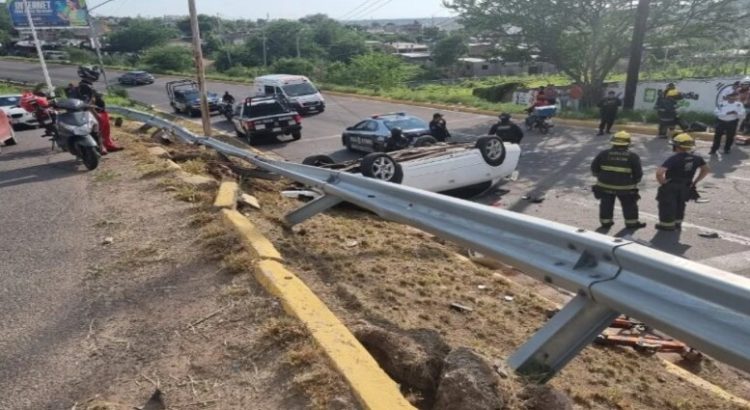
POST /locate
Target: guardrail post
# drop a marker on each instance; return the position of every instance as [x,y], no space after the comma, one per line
[311,209]
[562,338]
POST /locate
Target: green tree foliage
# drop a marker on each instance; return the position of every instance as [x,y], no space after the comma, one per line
[447,51]
[80,56]
[375,71]
[168,58]
[207,24]
[587,38]
[138,34]
[298,66]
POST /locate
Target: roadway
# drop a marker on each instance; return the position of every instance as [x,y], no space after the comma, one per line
[555,166]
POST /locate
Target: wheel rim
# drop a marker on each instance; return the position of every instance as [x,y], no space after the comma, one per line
[494,149]
[383,168]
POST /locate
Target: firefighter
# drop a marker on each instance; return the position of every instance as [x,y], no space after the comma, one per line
[618,172]
[677,182]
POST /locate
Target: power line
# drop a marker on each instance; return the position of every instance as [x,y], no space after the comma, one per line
[369,10]
[354,10]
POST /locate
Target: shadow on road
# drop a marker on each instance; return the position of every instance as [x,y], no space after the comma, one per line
[41,173]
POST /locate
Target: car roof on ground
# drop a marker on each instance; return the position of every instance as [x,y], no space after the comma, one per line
[280,77]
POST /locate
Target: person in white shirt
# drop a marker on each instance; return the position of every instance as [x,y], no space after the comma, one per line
[728,115]
[726,91]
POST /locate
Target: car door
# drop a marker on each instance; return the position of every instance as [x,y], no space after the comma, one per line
[239,113]
[355,133]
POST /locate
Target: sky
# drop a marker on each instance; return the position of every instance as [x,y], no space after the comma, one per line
[289,9]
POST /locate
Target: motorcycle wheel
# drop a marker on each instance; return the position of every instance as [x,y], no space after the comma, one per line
[90,157]
[544,129]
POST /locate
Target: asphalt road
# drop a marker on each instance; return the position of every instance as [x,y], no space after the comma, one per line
[556,166]
[45,214]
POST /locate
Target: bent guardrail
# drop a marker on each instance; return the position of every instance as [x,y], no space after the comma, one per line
[705,307]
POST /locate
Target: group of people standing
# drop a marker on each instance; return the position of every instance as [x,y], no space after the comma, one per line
[618,172]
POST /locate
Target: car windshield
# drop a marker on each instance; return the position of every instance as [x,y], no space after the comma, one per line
[9,101]
[262,110]
[405,123]
[191,95]
[296,90]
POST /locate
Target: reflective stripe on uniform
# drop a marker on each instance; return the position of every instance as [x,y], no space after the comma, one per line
[631,221]
[667,224]
[616,187]
[606,221]
[616,169]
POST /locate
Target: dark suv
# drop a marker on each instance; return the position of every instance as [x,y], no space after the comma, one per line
[185,97]
[266,116]
[136,78]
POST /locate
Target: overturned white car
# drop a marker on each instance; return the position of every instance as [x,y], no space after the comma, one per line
[442,167]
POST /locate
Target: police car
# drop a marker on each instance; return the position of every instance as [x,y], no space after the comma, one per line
[372,134]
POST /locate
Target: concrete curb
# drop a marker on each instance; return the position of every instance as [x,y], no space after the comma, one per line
[647,130]
[227,196]
[369,383]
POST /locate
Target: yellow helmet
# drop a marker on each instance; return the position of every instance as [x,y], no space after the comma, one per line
[683,140]
[673,93]
[621,139]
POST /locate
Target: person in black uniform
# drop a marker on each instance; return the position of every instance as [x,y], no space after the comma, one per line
[439,128]
[507,130]
[618,172]
[677,182]
[227,98]
[397,140]
[608,107]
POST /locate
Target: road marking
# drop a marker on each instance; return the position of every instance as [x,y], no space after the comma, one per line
[734,262]
[328,137]
[12,180]
[739,178]
[727,236]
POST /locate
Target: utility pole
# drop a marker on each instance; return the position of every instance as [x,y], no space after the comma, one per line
[636,50]
[198,55]
[47,79]
[298,53]
[265,56]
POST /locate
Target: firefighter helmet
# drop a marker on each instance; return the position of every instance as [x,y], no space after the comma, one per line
[621,139]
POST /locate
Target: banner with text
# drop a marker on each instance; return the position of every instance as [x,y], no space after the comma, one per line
[49,13]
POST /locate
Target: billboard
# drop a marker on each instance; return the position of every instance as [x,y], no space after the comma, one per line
[49,13]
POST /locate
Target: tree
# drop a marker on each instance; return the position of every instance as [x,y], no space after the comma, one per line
[447,51]
[297,66]
[140,34]
[373,71]
[169,58]
[206,24]
[586,38]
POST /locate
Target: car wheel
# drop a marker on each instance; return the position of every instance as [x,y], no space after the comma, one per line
[296,135]
[176,109]
[383,167]
[492,149]
[425,141]
[10,141]
[346,143]
[318,160]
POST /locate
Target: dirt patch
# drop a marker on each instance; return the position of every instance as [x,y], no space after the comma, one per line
[172,306]
[369,269]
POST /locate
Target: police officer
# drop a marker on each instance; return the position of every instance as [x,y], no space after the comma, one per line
[618,172]
[439,128]
[608,107]
[676,178]
[507,130]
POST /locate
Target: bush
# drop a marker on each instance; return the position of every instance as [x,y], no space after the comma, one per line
[118,92]
[497,93]
[168,58]
[297,66]
[80,56]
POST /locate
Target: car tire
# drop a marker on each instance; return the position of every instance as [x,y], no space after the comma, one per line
[318,160]
[11,141]
[492,150]
[296,135]
[346,143]
[383,167]
[176,110]
[425,141]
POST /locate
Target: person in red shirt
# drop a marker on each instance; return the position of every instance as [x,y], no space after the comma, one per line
[575,94]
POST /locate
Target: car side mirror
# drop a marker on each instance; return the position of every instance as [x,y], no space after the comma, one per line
[349,128]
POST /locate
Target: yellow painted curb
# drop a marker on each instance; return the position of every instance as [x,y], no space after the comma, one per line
[371,385]
[254,241]
[647,130]
[704,384]
[227,195]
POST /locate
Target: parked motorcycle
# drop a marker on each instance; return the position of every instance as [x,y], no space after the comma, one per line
[71,125]
[226,109]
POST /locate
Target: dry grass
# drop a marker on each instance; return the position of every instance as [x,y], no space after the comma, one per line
[194,166]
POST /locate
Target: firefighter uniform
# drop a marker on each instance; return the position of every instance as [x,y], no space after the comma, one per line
[678,186]
[618,172]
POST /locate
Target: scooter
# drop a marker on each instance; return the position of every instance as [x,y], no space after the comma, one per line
[71,125]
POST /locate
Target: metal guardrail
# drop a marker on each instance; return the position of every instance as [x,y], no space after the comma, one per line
[705,307]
